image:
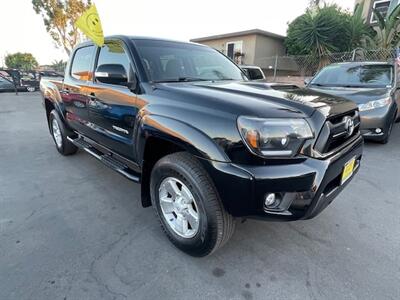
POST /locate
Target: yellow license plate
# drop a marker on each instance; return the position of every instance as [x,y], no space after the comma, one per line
[348,170]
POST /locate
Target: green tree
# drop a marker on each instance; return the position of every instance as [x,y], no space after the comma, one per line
[388,34]
[59,65]
[360,34]
[327,29]
[314,3]
[24,61]
[59,17]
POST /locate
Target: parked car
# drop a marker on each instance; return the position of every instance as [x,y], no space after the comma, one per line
[23,80]
[207,145]
[374,86]
[29,80]
[6,85]
[52,74]
[253,73]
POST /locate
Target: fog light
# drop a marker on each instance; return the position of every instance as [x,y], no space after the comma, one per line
[378,130]
[271,200]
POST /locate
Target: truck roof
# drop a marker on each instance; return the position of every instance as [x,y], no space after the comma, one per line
[133,37]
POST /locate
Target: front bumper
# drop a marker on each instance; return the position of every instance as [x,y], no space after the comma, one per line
[376,119]
[311,185]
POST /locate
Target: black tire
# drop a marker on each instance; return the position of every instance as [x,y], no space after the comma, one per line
[66,147]
[216,226]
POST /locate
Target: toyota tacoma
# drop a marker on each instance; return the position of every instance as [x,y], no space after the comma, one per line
[207,145]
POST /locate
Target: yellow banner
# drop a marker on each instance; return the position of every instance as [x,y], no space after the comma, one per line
[90,25]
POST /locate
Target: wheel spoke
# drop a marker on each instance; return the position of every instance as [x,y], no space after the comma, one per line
[187,195]
[172,188]
[182,224]
[167,205]
[192,218]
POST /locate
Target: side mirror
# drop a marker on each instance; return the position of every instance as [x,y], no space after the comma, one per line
[307,81]
[112,74]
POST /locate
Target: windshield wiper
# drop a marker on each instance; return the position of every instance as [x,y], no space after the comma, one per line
[318,84]
[181,79]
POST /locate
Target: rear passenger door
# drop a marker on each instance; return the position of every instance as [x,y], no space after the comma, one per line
[112,107]
[75,87]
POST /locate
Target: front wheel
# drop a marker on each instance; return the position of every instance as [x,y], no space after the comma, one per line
[188,206]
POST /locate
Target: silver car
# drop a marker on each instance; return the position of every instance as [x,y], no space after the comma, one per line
[373,86]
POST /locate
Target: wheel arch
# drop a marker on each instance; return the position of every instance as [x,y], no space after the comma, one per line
[168,136]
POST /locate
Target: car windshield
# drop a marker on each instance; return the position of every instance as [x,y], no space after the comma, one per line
[254,74]
[166,61]
[355,76]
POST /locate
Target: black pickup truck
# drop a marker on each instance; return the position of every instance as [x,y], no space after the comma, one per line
[206,144]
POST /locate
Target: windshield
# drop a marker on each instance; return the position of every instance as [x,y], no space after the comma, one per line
[166,61]
[254,74]
[357,76]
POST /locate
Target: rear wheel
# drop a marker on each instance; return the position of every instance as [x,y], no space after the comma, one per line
[59,134]
[188,206]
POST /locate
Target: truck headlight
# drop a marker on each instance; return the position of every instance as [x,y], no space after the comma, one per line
[274,137]
[374,104]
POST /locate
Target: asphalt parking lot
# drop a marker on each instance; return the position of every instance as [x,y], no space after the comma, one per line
[70,228]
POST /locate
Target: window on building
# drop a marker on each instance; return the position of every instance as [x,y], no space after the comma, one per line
[383,7]
[233,49]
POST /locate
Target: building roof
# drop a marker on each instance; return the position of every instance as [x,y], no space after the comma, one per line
[238,33]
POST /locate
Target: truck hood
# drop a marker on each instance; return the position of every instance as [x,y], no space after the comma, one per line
[257,99]
[358,95]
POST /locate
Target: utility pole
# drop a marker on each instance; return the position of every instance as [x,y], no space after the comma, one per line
[275,67]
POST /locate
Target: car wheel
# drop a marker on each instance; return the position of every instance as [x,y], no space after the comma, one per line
[188,206]
[59,134]
[30,89]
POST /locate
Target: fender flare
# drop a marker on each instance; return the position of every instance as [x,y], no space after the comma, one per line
[51,93]
[182,134]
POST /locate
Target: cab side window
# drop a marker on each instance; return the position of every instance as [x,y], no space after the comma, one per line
[113,54]
[81,68]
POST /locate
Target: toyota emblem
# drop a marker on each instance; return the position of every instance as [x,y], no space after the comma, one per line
[349,125]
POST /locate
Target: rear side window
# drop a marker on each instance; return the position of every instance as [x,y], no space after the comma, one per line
[82,64]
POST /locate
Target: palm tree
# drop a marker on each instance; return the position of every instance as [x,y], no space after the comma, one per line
[359,32]
[314,3]
[320,32]
[388,36]
[59,65]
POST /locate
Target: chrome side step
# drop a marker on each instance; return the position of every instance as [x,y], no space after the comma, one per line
[107,159]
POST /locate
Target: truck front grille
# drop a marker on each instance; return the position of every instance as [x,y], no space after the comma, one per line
[337,131]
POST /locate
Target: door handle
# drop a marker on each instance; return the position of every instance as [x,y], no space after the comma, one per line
[96,103]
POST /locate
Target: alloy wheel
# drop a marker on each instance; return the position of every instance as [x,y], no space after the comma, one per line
[179,207]
[56,133]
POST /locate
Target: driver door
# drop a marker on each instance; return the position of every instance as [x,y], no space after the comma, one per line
[113,107]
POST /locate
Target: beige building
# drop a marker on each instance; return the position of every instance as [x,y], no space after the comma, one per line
[250,47]
[383,6]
